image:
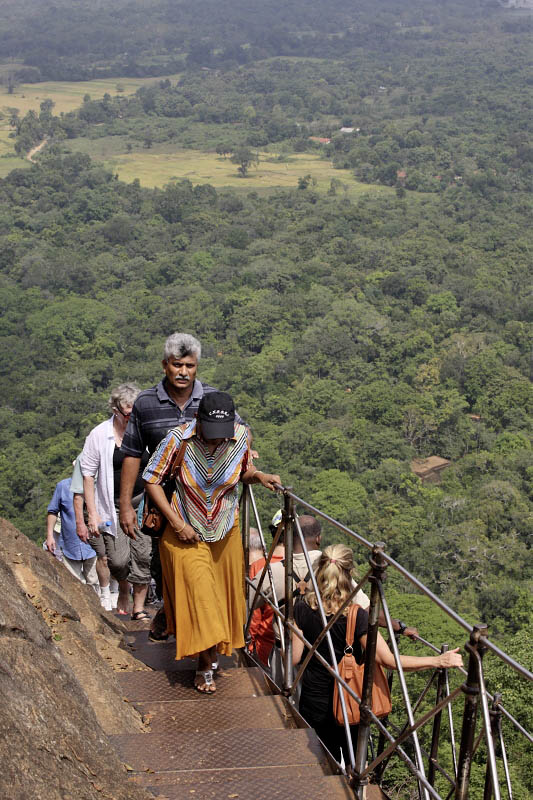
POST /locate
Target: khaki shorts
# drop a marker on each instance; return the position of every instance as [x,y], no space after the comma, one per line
[127,559]
[84,570]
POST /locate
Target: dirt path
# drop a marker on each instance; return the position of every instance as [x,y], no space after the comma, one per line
[36,150]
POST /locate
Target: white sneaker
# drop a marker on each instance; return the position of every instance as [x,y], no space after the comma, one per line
[114,599]
[105,602]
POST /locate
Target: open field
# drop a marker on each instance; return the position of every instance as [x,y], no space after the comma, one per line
[68,96]
[8,159]
[155,168]
[11,163]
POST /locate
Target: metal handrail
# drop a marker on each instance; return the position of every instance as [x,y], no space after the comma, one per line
[412,579]
[399,750]
[475,685]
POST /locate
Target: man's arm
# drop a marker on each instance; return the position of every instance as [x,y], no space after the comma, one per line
[51,520]
[397,626]
[94,518]
[128,476]
[81,527]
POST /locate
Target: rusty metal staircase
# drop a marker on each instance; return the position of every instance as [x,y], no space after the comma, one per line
[241,743]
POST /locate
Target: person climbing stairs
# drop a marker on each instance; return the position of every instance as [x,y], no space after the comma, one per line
[241,743]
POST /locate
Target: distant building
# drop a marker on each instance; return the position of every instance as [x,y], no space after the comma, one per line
[347,130]
[401,174]
[320,139]
[429,469]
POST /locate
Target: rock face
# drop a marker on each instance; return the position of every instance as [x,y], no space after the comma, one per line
[59,652]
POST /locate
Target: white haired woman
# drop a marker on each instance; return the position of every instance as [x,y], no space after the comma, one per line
[334,580]
[101,464]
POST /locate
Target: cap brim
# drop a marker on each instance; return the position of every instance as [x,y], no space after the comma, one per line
[217,430]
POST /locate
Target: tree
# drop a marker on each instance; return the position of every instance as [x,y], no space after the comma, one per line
[245,158]
[223,148]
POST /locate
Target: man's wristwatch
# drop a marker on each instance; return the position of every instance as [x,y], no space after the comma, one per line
[401,627]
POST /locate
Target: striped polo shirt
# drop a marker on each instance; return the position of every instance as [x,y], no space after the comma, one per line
[207,489]
[155,413]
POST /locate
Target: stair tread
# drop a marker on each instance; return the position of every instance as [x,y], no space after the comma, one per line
[223,713]
[162,655]
[178,684]
[261,787]
[215,777]
[233,749]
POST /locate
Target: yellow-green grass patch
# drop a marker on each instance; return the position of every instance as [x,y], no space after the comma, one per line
[6,144]
[8,159]
[9,163]
[68,96]
[155,169]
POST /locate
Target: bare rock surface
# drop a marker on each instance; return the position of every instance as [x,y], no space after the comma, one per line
[59,654]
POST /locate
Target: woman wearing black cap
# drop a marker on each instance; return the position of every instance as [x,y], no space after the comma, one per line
[201,550]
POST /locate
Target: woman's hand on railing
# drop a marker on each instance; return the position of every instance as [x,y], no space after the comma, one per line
[449,660]
[267,480]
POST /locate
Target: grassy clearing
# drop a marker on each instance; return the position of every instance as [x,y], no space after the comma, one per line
[10,163]
[8,159]
[69,96]
[154,168]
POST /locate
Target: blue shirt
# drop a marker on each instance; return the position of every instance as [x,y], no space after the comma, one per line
[69,541]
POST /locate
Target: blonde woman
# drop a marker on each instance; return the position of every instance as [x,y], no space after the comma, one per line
[334,580]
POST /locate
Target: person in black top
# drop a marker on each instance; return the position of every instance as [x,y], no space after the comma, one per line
[334,581]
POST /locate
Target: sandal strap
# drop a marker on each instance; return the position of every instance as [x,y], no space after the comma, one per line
[207,675]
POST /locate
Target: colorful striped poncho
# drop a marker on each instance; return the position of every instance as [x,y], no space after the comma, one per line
[206,494]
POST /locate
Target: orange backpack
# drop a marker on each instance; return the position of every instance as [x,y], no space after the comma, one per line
[352,673]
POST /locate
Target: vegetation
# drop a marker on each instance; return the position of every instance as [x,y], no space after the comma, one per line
[356,330]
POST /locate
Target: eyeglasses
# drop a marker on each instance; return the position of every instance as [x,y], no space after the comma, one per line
[120,411]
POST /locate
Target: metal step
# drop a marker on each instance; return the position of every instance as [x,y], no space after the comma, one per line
[233,749]
[189,779]
[249,785]
[162,655]
[374,793]
[221,714]
[267,782]
[138,687]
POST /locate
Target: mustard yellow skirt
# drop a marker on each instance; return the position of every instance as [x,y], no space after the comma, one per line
[203,592]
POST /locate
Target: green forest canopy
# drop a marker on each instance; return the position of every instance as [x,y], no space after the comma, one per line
[354,334]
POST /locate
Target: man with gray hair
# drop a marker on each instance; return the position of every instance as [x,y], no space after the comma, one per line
[173,401]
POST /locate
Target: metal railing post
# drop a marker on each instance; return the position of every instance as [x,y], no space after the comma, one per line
[496,714]
[379,565]
[471,690]
[435,734]
[288,519]
[495,719]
